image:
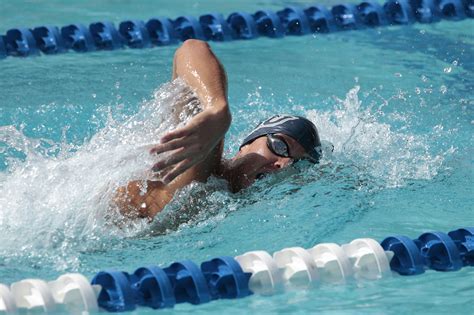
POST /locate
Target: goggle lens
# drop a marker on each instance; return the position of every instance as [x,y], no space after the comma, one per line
[278,146]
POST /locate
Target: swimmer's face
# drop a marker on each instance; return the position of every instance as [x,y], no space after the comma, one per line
[257,158]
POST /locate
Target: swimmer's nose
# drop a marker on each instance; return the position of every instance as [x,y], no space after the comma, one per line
[282,163]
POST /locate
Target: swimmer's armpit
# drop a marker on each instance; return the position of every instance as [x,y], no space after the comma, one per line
[141,199]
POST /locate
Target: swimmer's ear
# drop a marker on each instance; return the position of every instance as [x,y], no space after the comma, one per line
[242,148]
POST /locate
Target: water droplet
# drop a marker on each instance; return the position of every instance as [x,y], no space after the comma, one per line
[443,89]
[417,90]
[447,70]
[424,78]
[398,74]
[94,95]
[422,32]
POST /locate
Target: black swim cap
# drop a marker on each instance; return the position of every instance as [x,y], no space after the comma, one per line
[299,128]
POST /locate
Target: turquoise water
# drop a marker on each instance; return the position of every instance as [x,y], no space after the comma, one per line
[396,103]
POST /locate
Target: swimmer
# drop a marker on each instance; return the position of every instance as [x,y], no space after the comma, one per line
[194,152]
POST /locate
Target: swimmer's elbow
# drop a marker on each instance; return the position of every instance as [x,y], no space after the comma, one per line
[130,203]
[133,203]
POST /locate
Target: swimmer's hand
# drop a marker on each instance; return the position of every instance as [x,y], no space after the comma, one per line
[190,145]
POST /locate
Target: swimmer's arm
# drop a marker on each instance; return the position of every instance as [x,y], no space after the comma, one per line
[196,147]
[196,64]
[142,199]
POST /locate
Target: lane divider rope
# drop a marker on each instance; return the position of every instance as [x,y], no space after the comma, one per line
[292,20]
[255,272]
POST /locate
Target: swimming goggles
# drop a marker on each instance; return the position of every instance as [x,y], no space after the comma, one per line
[278,146]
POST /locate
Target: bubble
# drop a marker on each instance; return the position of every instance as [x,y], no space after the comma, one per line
[455,63]
[397,74]
[443,89]
[428,90]
[447,70]
[417,90]
[94,95]
[424,78]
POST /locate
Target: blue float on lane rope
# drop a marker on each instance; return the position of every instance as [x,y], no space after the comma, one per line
[106,36]
[372,14]
[116,294]
[3,48]
[21,43]
[407,259]
[188,282]
[294,20]
[135,34]
[152,288]
[78,38]
[215,27]
[439,251]
[243,25]
[162,31]
[464,240]
[188,27]
[225,278]
[399,12]
[49,39]
[269,24]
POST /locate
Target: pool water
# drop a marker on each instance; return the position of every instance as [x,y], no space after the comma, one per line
[396,103]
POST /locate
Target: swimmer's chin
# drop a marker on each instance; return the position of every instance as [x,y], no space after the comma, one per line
[245,181]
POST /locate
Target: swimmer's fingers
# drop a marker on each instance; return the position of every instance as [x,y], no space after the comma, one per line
[177,156]
[171,145]
[175,134]
[178,170]
[158,175]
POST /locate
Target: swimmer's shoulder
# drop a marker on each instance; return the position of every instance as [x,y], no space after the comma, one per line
[142,199]
[145,199]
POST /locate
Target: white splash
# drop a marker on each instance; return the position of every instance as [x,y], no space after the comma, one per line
[51,204]
[394,157]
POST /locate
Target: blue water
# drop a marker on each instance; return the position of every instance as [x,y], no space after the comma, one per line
[396,102]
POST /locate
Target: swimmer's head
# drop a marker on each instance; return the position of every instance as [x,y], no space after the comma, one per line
[275,144]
